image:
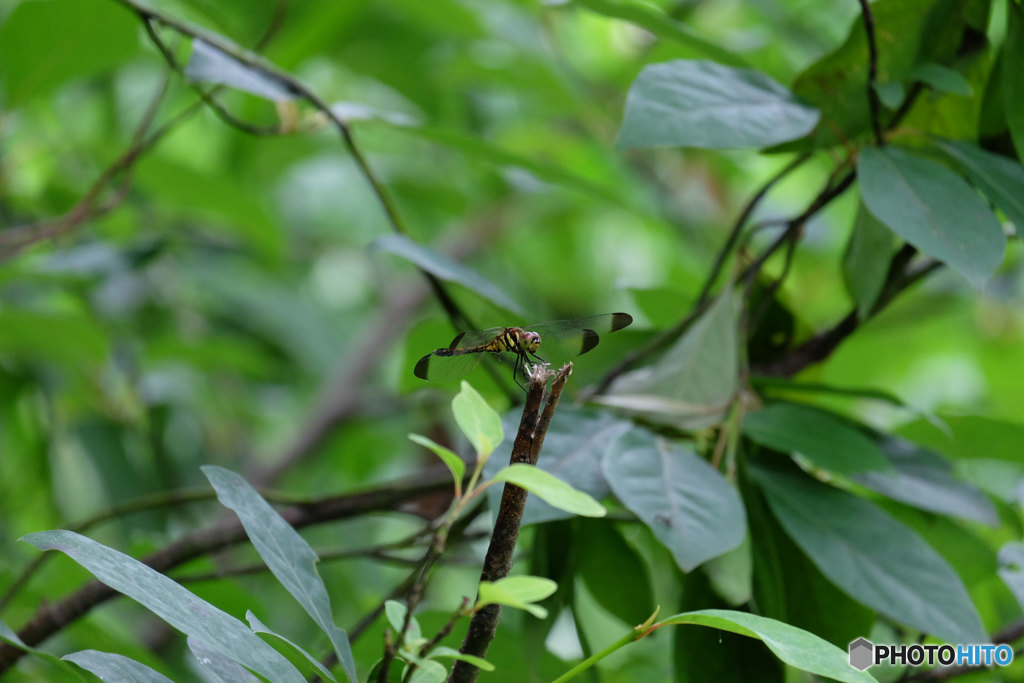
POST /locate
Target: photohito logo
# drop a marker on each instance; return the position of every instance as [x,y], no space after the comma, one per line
[864,653]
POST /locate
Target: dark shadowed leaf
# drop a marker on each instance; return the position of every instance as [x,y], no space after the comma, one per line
[874,558]
[697,103]
[866,260]
[933,208]
[171,602]
[613,571]
[1013,77]
[688,505]
[821,437]
[287,554]
[446,269]
[999,177]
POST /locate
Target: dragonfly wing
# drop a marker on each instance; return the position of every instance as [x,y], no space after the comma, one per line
[471,339]
[579,335]
[443,368]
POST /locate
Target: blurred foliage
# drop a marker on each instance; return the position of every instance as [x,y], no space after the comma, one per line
[242,300]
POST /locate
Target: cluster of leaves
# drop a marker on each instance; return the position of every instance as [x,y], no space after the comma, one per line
[187,326]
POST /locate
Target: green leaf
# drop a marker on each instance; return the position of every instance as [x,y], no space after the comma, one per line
[287,554]
[890,94]
[999,177]
[429,672]
[455,464]
[216,666]
[688,505]
[114,668]
[612,571]
[798,648]
[703,104]
[46,44]
[872,557]
[477,420]
[925,480]
[1013,75]
[1011,568]
[550,489]
[866,260]
[731,574]
[692,384]
[517,591]
[395,612]
[441,266]
[478,662]
[932,208]
[942,78]
[303,660]
[209,64]
[169,601]
[821,437]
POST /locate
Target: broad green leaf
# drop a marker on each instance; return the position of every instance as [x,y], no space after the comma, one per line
[866,260]
[455,464]
[216,666]
[429,672]
[942,78]
[44,45]
[931,207]
[999,177]
[169,601]
[287,554]
[925,480]
[114,668]
[798,648]
[520,592]
[692,384]
[872,557]
[1011,569]
[209,64]
[303,660]
[395,612]
[1013,76]
[688,505]
[477,420]
[662,25]
[550,489]
[576,441]
[823,438]
[478,662]
[890,94]
[703,104]
[441,266]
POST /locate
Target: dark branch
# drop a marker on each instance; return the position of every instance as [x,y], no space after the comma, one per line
[873,100]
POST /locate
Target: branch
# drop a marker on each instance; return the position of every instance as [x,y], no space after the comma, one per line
[498,562]
[873,101]
[51,618]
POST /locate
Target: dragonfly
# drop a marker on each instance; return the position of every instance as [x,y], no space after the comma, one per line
[518,345]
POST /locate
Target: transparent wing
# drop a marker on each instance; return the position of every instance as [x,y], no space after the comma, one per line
[576,336]
[446,368]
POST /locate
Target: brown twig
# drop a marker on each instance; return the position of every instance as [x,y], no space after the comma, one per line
[498,561]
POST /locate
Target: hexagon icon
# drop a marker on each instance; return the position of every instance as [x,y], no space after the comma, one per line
[861,654]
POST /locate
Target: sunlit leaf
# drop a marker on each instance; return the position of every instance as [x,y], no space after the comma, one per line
[477,420]
[550,489]
[478,662]
[172,603]
[455,464]
[520,592]
[395,612]
[704,104]
[932,208]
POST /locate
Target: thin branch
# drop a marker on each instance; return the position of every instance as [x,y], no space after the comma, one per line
[873,100]
[498,560]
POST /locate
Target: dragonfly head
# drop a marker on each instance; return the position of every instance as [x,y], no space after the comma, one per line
[530,341]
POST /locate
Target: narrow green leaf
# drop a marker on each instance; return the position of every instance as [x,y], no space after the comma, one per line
[703,104]
[823,438]
[517,591]
[287,554]
[311,665]
[942,78]
[691,385]
[169,601]
[872,557]
[999,177]
[455,464]
[209,64]
[477,420]
[478,662]
[114,668]
[550,489]
[866,260]
[217,666]
[686,503]
[441,266]
[1013,75]
[794,646]
[932,208]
